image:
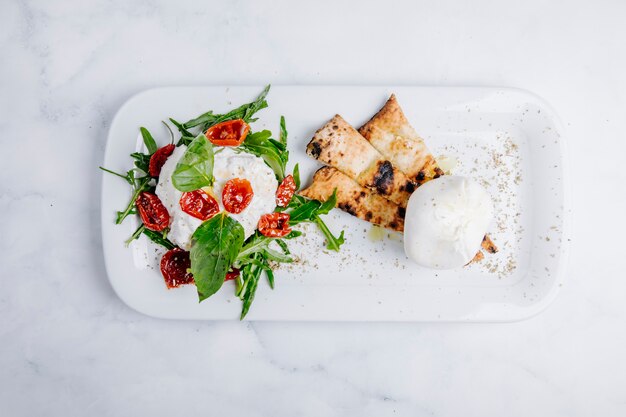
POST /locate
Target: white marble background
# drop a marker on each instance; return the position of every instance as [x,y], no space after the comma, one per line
[70,347]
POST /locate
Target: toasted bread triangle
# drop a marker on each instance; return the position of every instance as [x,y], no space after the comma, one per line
[355,199]
[339,145]
[392,135]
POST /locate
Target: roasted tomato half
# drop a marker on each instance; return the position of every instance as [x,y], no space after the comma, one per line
[153,213]
[237,195]
[274,224]
[230,133]
[158,159]
[232,275]
[285,191]
[175,265]
[199,204]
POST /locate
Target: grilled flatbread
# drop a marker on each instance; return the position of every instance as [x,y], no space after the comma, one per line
[339,145]
[354,199]
[392,135]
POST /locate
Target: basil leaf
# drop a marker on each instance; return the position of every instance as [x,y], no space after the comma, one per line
[215,245]
[148,140]
[195,168]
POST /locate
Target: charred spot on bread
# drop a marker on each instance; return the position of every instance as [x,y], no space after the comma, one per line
[369,215]
[401,212]
[409,187]
[383,179]
[314,149]
[347,207]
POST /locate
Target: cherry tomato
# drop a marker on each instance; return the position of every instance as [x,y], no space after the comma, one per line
[199,204]
[174,267]
[158,159]
[230,133]
[232,275]
[274,224]
[285,191]
[153,213]
[237,195]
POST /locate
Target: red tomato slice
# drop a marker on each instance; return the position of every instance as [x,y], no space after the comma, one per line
[232,275]
[199,204]
[237,195]
[158,159]
[153,213]
[274,224]
[230,133]
[174,266]
[285,191]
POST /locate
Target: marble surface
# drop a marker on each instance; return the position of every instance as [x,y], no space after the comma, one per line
[69,346]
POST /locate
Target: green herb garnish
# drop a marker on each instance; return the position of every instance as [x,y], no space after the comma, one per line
[148,140]
[215,246]
[195,168]
[273,152]
[244,112]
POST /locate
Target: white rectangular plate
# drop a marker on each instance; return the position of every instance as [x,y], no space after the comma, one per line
[508,139]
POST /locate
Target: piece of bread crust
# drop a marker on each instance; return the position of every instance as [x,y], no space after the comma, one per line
[392,135]
[355,199]
[340,146]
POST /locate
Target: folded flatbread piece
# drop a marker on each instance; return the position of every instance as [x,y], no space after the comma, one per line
[355,199]
[392,135]
[339,145]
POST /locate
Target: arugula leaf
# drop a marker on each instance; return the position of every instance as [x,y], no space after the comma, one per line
[148,140]
[251,274]
[169,130]
[329,204]
[135,235]
[195,168]
[270,275]
[306,212]
[245,112]
[272,151]
[332,242]
[138,184]
[181,128]
[142,184]
[142,161]
[215,245]
[159,238]
[310,211]
[259,244]
[283,131]
[129,179]
[296,176]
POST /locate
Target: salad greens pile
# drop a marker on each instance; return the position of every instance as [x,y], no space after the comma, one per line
[218,245]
